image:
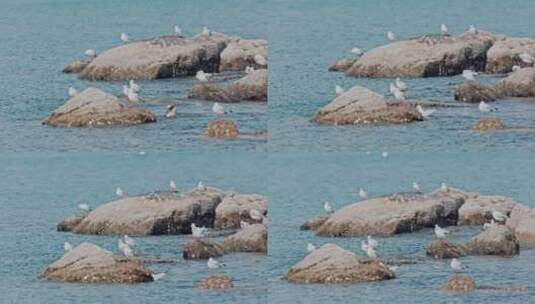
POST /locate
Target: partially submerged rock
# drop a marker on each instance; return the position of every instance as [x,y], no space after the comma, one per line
[474,92]
[520,83]
[488,124]
[314,223]
[236,208]
[217,282]
[427,56]
[70,223]
[95,108]
[332,264]
[343,65]
[504,54]
[522,221]
[77,66]
[459,283]
[443,249]
[252,238]
[495,240]
[240,54]
[252,87]
[201,249]
[222,129]
[88,263]
[153,214]
[360,105]
[398,213]
[478,210]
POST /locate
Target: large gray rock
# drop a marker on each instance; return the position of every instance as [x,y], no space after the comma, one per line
[252,87]
[443,249]
[478,210]
[240,53]
[398,213]
[520,83]
[474,92]
[162,57]
[236,208]
[342,65]
[522,221]
[252,238]
[314,223]
[430,55]
[88,263]
[153,214]
[201,249]
[495,240]
[504,54]
[332,264]
[360,105]
[77,66]
[95,108]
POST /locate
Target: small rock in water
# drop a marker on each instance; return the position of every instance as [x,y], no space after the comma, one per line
[217,282]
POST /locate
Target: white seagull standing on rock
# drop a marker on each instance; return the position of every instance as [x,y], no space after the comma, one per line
[125,249]
[391,36]
[125,38]
[443,187]
[84,207]
[214,264]
[456,265]
[338,90]
[72,92]
[370,251]
[119,192]
[311,247]
[172,186]
[206,31]
[469,75]
[357,51]
[400,84]
[415,186]
[218,109]
[200,186]
[129,241]
[443,28]
[197,231]
[260,60]
[498,216]
[328,208]
[363,194]
[67,246]
[249,69]
[472,30]
[372,242]
[440,232]
[202,76]
[484,107]
[178,30]
[132,96]
[392,88]
[425,113]
[134,86]
[398,94]
[90,53]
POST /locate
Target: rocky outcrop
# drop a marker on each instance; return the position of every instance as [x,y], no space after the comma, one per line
[162,57]
[504,54]
[443,249]
[70,223]
[427,56]
[222,129]
[520,83]
[240,54]
[478,210]
[314,223]
[332,264]
[201,249]
[342,65]
[217,282]
[488,124]
[459,283]
[397,213]
[153,214]
[360,105]
[252,238]
[77,66]
[472,91]
[522,221]
[252,87]
[95,108]
[236,208]
[88,263]
[495,240]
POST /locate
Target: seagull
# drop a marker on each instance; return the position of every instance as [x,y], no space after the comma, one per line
[372,242]
[178,30]
[398,94]
[384,154]
[469,75]
[72,92]
[401,85]
[443,187]
[170,111]
[132,96]
[129,241]
[357,51]
[202,76]
[197,231]
[244,224]
[255,215]
[425,113]
[443,29]
[119,192]
[311,247]
[488,225]
[200,186]
[370,251]
[393,268]
[456,265]
[498,216]
[218,109]
[440,232]
[125,249]
[338,90]
[390,36]
[260,60]
[121,244]
[206,31]
[363,194]
[125,38]
[516,68]
[249,69]
[327,207]
[133,85]
[472,29]
[172,186]
[90,53]
[213,264]
[67,246]
[84,207]
[526,58]
[415,186]
[126,90]
[484,107]
[158,276]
